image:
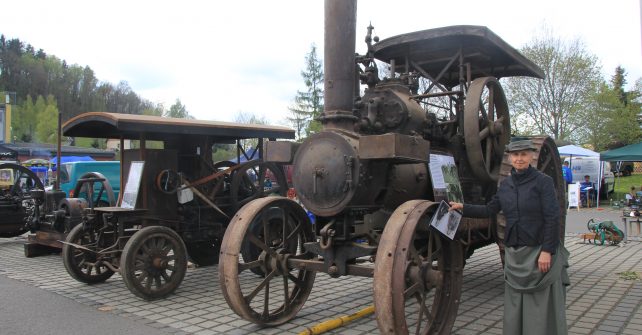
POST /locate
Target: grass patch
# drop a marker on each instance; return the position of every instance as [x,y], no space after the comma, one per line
[629,275]
[623,186]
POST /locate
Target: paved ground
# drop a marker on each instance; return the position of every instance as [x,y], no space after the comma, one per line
[599,300]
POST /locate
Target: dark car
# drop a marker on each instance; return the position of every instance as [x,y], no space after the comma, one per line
[622,168]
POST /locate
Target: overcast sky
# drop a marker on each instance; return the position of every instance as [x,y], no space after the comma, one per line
[223,57]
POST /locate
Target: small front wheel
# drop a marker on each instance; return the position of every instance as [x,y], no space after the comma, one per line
[154,262]
[84,264]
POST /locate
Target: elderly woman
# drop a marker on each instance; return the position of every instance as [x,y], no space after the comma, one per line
[535,262]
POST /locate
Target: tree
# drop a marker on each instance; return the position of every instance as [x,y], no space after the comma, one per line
[47,120]
[558,104]
[178,110]
[308,105]
[249,118]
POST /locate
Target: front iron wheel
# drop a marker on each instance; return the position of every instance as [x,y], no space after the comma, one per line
[86,266]
[276,297]
[154,262]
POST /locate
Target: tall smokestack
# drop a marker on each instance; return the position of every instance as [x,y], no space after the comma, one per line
[339,69]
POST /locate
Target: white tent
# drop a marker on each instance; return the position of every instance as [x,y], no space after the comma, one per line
[574,150]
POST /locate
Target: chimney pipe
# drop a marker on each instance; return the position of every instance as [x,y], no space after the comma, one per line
[339,69]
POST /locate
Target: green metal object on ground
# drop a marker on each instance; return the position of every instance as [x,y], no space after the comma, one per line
[605,231]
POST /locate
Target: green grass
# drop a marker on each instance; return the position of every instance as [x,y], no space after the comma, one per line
[623,185]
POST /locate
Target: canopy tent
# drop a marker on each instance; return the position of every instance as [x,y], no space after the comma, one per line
[629,153]
[574,150]
[250,153]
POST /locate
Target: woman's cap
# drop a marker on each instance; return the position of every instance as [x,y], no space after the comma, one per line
[520,145]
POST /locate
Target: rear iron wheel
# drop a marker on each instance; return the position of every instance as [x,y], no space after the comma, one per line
[257,179]
[95,183]
[204,253]
[276,297]
[418,274]
[154,262]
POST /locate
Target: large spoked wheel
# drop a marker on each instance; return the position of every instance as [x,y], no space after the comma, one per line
[16,183]
[418,274]
[95,188]
[256,179]
[546,160]
[278,296]
[154,262]
[486,127]
[84,264]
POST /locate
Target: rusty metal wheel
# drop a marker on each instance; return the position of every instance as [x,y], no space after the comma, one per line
[486,127]
[418,274]
[256,179]
[546,160]
[94,183]
[85,264]
[276,297]
[154,262]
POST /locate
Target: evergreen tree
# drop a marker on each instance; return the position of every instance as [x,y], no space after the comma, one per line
[618,81]
[178,110]
[308,104]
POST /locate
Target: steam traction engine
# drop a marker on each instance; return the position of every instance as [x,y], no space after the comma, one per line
[367,179]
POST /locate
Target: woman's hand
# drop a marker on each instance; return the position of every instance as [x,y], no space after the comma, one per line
[544,261]
[455,206]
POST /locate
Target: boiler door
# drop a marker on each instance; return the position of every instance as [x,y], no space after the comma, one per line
[325,175]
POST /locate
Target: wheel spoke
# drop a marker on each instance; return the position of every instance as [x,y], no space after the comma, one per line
[266,301]
[421,299]
[164,275]
[143,275]
[249,265]
[255,240]
[266,280]
[294,231]
[286,292]
[297,282]
[411,290]
[488,156]
[491,104]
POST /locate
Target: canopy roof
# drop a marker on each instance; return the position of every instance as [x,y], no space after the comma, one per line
[574,150]
[629,153]
[433,49]
[130,126]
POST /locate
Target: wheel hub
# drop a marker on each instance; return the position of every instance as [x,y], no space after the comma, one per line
[424,275]
[277,261]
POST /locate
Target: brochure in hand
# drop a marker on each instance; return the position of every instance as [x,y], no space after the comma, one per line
[446,222]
